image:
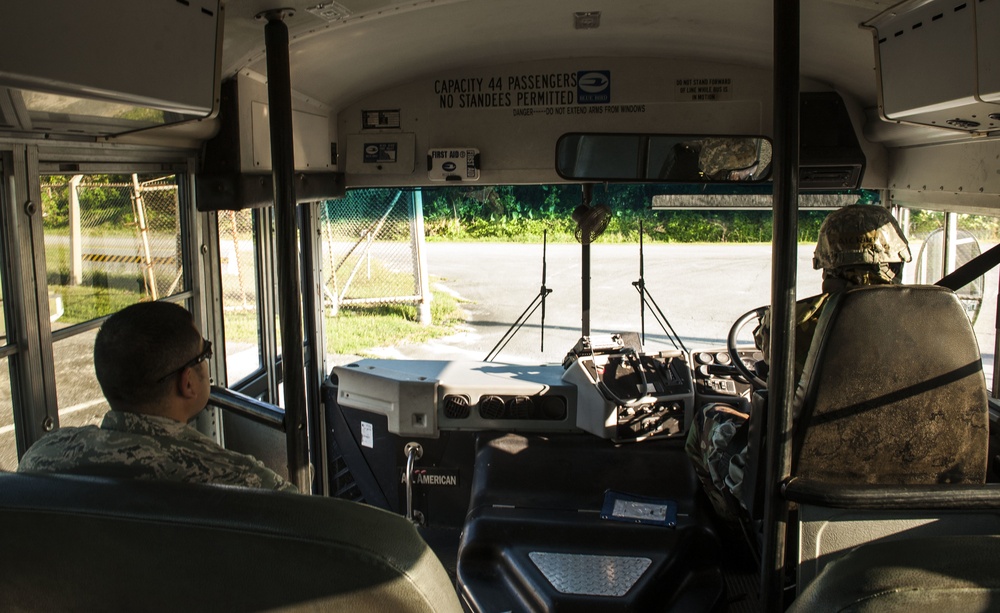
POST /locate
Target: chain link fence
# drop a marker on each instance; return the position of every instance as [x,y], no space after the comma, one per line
[239,269]
[371,248]
[110,240]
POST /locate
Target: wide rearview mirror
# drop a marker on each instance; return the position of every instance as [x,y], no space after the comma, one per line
[663,157]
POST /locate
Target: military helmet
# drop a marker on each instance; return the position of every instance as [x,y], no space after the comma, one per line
[860,234]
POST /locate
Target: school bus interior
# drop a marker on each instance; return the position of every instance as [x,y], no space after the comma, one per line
[487,486]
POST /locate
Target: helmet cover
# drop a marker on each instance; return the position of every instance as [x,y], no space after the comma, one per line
[860,234]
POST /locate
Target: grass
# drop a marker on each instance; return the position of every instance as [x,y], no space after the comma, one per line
[83,303]
[241,326]
[357,330]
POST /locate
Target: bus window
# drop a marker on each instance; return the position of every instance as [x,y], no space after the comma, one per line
[973,234]
[110,241]
[239,293]
[370,262]
[8,448]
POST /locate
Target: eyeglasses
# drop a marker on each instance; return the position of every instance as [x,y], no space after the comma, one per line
[205,354]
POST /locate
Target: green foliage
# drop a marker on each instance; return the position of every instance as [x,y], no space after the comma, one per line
[984,228]
[523,213]
[103,199]
[105,203]
[241,325]
[143,114]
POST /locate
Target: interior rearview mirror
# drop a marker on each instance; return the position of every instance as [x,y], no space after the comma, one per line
[663,157]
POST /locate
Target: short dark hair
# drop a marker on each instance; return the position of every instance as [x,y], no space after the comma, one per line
[137,346]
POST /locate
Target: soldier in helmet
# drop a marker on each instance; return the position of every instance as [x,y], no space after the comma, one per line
[728,159]
[152,364]
[858,245]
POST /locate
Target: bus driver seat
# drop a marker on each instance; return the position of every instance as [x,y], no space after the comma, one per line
[890,434]
[882,401]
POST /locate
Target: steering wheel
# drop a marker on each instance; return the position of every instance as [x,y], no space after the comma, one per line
[755,381]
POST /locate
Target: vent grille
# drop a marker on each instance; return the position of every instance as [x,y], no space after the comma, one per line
[492,407]
[456,407]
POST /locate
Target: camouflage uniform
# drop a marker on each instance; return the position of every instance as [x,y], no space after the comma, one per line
[858,245]
[720,155]
[807,313]
[716,450]
[135,446]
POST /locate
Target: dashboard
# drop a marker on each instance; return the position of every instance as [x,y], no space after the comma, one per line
[715,375]
[607,388]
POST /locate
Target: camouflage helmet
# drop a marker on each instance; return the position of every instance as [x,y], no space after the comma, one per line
[860,234]
[719,154]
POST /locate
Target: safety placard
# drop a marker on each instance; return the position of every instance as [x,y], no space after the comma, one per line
[380,119]
[461,164]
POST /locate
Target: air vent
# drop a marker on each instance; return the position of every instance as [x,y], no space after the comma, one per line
[587,20]
[830,156]
[492,407]
[830,177]
[456,407]
[520,407]
[330,11]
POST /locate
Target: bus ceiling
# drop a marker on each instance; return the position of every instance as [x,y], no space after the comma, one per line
[476,93]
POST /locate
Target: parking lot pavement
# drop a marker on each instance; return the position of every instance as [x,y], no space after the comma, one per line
[701,290]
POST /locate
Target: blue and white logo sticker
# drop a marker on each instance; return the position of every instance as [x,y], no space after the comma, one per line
[449,166]
[593,86]
[379,153]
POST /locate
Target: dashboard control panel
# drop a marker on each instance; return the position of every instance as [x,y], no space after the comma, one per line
[422,397]
[610,389]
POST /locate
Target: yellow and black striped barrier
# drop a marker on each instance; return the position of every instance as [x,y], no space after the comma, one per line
[126,259]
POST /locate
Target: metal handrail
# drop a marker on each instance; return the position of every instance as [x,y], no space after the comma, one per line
[255,410]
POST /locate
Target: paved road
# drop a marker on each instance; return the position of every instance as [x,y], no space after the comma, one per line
[702,289]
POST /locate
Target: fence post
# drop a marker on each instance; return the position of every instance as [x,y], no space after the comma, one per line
[236,259]
[140,217]
[950,243]
[420,256]
[75,234]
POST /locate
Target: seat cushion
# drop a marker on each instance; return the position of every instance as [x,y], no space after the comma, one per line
[74,543]
[934,574]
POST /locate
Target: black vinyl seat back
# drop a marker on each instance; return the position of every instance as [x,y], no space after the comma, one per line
[892,391]
[73,543]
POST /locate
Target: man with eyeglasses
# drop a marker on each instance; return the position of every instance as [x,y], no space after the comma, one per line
[152,364]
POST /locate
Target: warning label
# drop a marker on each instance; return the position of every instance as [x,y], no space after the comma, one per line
[526,95]
[704,89]
[525,91]
[380,119]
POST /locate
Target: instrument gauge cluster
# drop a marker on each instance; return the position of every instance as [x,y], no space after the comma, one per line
[716,377]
